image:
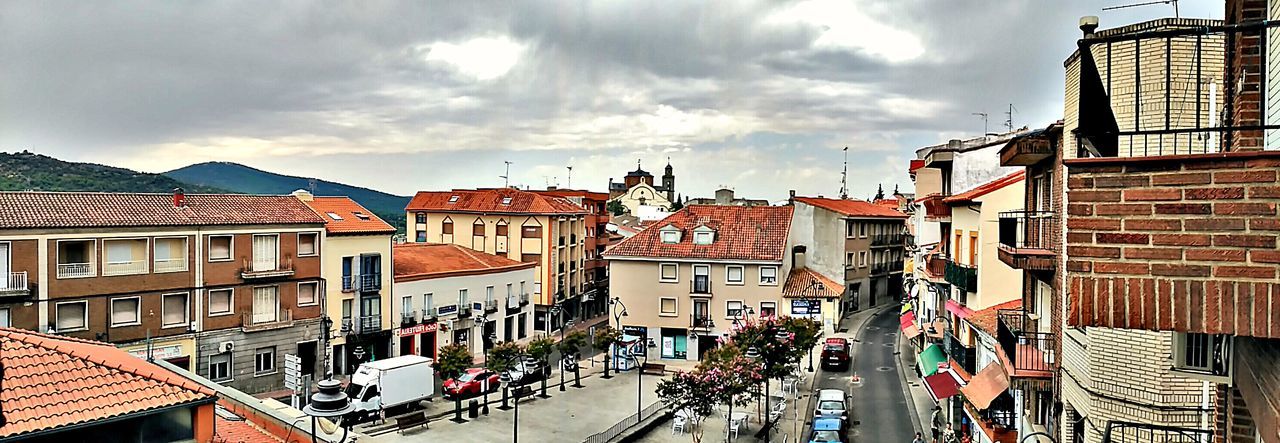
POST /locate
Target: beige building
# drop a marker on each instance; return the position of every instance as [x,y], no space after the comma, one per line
[523,226]
[855,243]
[357,270]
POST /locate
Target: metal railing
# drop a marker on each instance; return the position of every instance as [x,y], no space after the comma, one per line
[1123,432]
[169,264]
[887,267]
[701,284]
[490,305]
[1169,107]
[74,270]
[14,282]
[428,314]
[124,267]
[262,269]
[409,318]
[362,282]
[260,321]
[936,264]
[626,423]
[701,321]
[1024,229]
[962,276]
[1027,350]
[368,323]
[886,240]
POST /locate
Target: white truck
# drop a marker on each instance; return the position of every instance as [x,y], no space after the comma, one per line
[394,383]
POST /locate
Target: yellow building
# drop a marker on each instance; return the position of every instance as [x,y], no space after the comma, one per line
[358,290]
[523,226]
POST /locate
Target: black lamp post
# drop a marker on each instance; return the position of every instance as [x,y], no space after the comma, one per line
[636,355]
[507,381]
[330,402]
[614,303]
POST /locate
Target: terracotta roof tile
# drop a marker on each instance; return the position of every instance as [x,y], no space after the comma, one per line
[240,431]
[987,188]
[491,201]
[852,208]
[985,320]
[741,233]
[350,223]
[20,210]
[53,381]
[800,280]
[417,261]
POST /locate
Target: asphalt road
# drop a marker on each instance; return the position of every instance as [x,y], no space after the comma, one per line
[880,413]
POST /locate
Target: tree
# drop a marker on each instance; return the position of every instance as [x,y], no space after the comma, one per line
[539,349]
[615,207]
[504,357]
[569,348]
[451,362]
[605,338]
[677,205]
[689,391]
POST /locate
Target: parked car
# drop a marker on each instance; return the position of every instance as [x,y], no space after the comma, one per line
[828,430]
[831,404]
[835,354]
[472,383]
[391,384]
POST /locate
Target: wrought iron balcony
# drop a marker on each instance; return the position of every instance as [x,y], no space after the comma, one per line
[371,282]
[252,271]
[701,322]
[887,240]
[886,268]
[428,315]
[1025,239]
[490,306]
[409,318]
[1029,353]
[367,324]
[962,276]
[700,285]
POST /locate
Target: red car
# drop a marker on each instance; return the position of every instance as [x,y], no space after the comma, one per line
[835,354]
[471,383]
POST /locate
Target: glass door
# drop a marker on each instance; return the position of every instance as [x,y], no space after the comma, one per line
[264,253]
[4,266]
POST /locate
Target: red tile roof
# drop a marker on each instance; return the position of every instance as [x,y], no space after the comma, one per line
[52,381]
[19,210]
[419,261]
[985,320]
[561,192]
[350,223]
[490,201]
[987,188]
[741,233]
[800,280]
[240,431]
[852,208]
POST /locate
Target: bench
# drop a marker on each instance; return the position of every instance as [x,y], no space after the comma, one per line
[653,369]
[410,421]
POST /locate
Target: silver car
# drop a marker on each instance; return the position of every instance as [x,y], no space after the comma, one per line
[832,403]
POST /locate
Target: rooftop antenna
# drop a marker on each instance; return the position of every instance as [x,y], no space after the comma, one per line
[984,117]
[844,176]
[569,181]
[1008,121]
[311,184]
[506,176]
[1157,2]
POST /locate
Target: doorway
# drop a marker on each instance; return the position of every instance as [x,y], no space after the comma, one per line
[427,345]
[307,357]
[5,267]
[406,345]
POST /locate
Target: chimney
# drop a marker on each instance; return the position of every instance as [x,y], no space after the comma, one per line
[1088,24]
[798,256]
[303,195]
[724,196]
[791,199]
[179,198]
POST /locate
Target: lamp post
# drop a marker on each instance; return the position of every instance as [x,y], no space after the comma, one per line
[641,351]
[809,299]
[507,381]
[614,303]
[330,402]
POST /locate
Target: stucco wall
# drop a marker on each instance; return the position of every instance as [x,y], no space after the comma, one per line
[445,293]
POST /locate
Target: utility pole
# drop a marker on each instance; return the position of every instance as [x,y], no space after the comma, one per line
[506,176]
[844,176]
[1008,122]
[569,182]
[984,117]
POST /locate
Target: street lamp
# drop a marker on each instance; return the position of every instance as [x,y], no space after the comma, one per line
[640,351]
[507,381]
[330,402]
[804,295]
[614,303]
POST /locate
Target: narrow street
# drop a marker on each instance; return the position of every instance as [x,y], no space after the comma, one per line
[880,411]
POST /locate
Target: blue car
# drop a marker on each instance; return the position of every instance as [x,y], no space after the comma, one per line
[828,430]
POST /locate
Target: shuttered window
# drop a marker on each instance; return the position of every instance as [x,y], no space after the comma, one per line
[174,310]
[266,301]
[264,252]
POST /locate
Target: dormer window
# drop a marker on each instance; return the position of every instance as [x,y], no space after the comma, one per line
[702,238]
[453,199]
[506,201]
[361,215]
[335,216]
[671,236]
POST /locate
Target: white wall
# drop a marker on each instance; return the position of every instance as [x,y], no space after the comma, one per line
[973,168]
[445,292]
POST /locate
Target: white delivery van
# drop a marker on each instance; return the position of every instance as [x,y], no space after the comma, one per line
[392,383]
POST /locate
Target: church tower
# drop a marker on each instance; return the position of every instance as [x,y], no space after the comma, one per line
[669,182]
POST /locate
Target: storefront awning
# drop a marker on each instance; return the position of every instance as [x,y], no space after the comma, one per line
[906,307]
[988,384]
[908,319]
[958,310]
[937,329]
[941,385]
[910,331]
[930,357]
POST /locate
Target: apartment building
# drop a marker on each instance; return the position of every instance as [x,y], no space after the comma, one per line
[595,270]
[1171,256]
[225,284]
[855,242]
[450,294]
[524,226]
[357,261]
[687,279]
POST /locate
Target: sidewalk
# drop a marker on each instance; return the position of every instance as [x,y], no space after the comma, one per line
[918,399]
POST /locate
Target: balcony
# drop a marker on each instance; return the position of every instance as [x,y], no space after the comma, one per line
[464,310]
[702,322]
[266,321]
[408,318]
[1025,240]
[701,285]
[428,315]
[362,282]
[1123,431]
[14,285]
[169,264]
[962,276]
[490,306]
[997,422]
[886,268]
[124,267]
[935,267]
[75,270]
[935,210]
[1026,151]
[884,240]
[1029,354]
[368,324]
[261,270]
[524,299]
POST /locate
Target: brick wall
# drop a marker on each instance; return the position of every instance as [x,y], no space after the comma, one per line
[1244,69]
[1175,243]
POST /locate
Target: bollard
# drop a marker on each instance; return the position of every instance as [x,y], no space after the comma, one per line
[473,409]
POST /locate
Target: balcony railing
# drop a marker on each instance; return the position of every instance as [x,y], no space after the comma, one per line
[490,306]
[409,318]
[524,299]
[935,209]
[936,265]
[700,285]
[14,284]
[367,324]
[75,270]
[1153,92]
[701,321]
[283,268]
[964,356]
[1123,431]
[124,267]
[1026,239]
[265,321]
[169,264]
[362,282]
[428,315]
[886,268]
[1030,353]
[962,276]
[887,240]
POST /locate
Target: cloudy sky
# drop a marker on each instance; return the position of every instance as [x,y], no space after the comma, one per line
[403,96]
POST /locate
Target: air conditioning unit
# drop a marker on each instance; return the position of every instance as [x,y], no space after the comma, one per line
[226,346]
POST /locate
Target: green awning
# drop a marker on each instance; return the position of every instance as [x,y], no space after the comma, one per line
[930,358]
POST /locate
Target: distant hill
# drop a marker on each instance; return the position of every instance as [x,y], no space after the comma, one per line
[25,171]
[236,177]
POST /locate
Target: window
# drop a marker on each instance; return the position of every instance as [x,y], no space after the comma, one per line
[973,248]
[506,201]
[125,311]
[488,294]
[702,238]
[477,228]
[733,308]
[509,291]
[219,302]
[848,259]
[862,230]
[265,248]
[501,229]
[958,247]
[531,232]
[848,228]
[219,248]
[421,237]
[768,309]
[453,199]
[1208,355]
[669,272]
[76,258]
[733,275]
[522,291]
[266,304]
[420,217]
[446,227]
[361,215]
[125,257]
[4,318]
[307,293]
[264,361]
[307,243]
[173,310]
[671,236]
[71,316]
[768,275]
[862,259]
[169,255]
[406,306]
[220,366]
[462,297]
[667,306]
[523,319]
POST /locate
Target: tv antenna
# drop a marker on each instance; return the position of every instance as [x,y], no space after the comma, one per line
[984,117]
[1157,2]
[506,176]
[569,181]
[1008,121]
[844,176]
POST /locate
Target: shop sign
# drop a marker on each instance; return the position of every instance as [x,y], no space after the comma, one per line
[417,329]
[159,352]
[806,307]
[446,310]
[638,331]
